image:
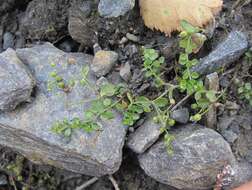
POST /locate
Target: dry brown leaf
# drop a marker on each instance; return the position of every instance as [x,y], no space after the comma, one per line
[166,15]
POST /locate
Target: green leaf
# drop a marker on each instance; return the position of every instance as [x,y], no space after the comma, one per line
[185,75]
[211,96]
[68,132]
[183,58]
[85,71]
[161,59]
[194,106]
[197,96]
[107,115]
[96,106]
[182,84]
[240,90]
[89,115]
[107,102]
[119,107]
[194,75]
[108,90]
[188,27]
[194,62]
[143,99]
[161,102]
[136,108]
[247,86]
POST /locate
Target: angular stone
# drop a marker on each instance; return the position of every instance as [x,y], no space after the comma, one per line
[181,115]
[198,156]
[45,19]
[103,62]
[148,133]
[226,53]
[79,22]
[8,40]
[28,128]
[144,136]
[244,145]
[3,180]
[16,81]
[112,8]
[132,37]
[125,71]
[212,83]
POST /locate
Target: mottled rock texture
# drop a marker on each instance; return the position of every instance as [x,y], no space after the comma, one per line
[198,155]
[28,128]
[227,52]
[16,81]
[115,8]
[45,19]
[80,24]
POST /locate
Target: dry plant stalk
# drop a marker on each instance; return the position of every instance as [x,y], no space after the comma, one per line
[166,15]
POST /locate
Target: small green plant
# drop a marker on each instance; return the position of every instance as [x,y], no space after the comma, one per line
[190,81]
[57,80]
[244,90]
[16,168]
[248,56]
[111,97]
[152,65]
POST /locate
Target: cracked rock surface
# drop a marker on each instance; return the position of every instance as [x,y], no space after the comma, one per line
[27,129]
[16,81]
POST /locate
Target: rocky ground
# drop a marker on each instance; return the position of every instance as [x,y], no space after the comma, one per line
[36,34]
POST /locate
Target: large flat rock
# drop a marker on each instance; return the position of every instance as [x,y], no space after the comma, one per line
[199,154]
[27,129]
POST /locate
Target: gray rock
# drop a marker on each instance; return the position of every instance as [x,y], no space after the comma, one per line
[28,128]
[198,156]
[230,136]
[20,41]
[112,8]
[226,53]
[241,174]
[212,83]
[101,81]
[144,136]
[125,72]
[181,115]
[103,62]
[5,6]
[244,145]
[16,82]
[45,19]
[132,37]
[79,23]
[148,133]
[3,180]
[8,40]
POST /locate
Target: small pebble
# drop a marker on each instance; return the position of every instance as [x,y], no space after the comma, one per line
[71,61]
[8,40]
[103,62]
[132,37]
[123,40]
[125,72]
[3,180]
[181,115]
